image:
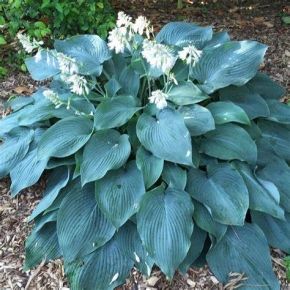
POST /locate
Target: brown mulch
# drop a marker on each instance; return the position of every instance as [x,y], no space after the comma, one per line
[259,20]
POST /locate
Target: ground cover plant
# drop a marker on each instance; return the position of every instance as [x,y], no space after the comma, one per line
[169,150]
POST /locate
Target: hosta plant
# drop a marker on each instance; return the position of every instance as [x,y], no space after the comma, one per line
[169,150]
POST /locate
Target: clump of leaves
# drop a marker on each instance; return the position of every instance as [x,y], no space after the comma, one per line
[166,150]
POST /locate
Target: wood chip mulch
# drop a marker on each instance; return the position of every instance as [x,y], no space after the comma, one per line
[258,20]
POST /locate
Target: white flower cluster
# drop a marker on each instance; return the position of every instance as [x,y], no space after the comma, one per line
[53,97]
[28,45]
[121,36]
[67,65]
[158,55]
[190,54]
[159,99]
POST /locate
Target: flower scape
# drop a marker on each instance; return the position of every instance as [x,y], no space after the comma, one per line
[170,150]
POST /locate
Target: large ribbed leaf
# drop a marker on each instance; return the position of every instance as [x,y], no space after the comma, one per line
[57,180]
[264,86]
[81,226]
[27,172]
[115,112]
[41,245]
[225,112]
[278,172]
[89,51]
[65,137]
[230,142]
[182,33]
[198,119]
[276,231]
[161,134]
[174,175]
[14,147]
[165,226]
[129,240]
[222,190]
[278,136]
[244,250]
[252,103]
[231,63]
[119,193]
[129,81]
[150,166]
[264,195]
[43,65]
[218,38]
[279,112]
[105,150]
[104,269]
[205,221]
[19,102]
[197,242]
[186,93]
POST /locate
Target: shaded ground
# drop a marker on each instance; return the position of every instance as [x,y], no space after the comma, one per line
[259,20]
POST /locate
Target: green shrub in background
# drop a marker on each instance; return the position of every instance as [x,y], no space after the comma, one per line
[46,19]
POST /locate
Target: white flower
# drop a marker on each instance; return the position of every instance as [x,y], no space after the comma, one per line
[118,39]
[79,84]
[158,55]
[159,99]
[190,54]
[52,97]
[67,64]
[123,20]
[141,24]
[27,44]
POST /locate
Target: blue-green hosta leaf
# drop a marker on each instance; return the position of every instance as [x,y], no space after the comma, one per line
[160,135]
[115,112]
[41,220]
[129,240]
[89,51]
[231,63]
[40,245]
[222,190]
[28,171]
[150,166]
[203,218]
[43,65]
[104,151]
[265,87]
[81,226]
[186,93]
[276,231]
[105,268]
[119,193]
[57,162]
[278,172]
[112,87]
[226,112]
[218,38]
[279,112]
[19,102]
[197,242]
[13,148]
[174,175]
[57,180]
[228,142]
[65,137]
[264,195]
[129,81]
[182,34]
[198,119]
[244,250]
[252,103]
[165,225]
[278,136]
